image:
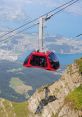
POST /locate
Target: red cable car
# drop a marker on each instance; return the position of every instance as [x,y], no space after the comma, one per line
[42,59]
[46,60]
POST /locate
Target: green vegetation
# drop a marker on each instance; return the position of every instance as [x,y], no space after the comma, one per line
[79,63]
[40,90]
[56,115]
[14,109]
[75,98]
[16,82]
[15,70]
[19,87]
[56,90]
[21,109]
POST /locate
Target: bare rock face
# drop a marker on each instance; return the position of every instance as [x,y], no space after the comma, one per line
[67,112]
[49,100]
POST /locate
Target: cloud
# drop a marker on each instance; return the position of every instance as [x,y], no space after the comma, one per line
[13,9]
[16,9]
[76,8]
[11,14]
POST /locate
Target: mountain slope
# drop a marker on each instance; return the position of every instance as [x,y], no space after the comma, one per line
[60,99]
[50,101]
[13,109]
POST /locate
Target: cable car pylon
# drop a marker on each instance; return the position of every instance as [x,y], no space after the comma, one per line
[42,21]
[41,33]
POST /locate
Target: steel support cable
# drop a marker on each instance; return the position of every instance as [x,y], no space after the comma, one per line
[79,35]
[62,9]
[18,33]
[38,23]
[35,19]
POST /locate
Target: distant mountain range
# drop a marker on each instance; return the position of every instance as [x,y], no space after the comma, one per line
[59,44]
[64,45]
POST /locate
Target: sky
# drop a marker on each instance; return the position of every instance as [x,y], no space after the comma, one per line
[14,13]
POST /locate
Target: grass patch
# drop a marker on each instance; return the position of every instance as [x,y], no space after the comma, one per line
[56,115]
[21,109]
[19,87]
[79,63]
[16,81]
[75,97]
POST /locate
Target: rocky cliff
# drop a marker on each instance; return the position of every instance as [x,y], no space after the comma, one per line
[50,101]
[60,99]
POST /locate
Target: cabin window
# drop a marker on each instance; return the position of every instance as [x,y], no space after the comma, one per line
[53,61]
[26,60]
[38,61]
[53,57]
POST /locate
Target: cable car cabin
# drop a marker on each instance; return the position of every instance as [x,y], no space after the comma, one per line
[46,60]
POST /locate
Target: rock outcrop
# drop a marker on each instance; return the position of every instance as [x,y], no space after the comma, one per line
[49,101]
